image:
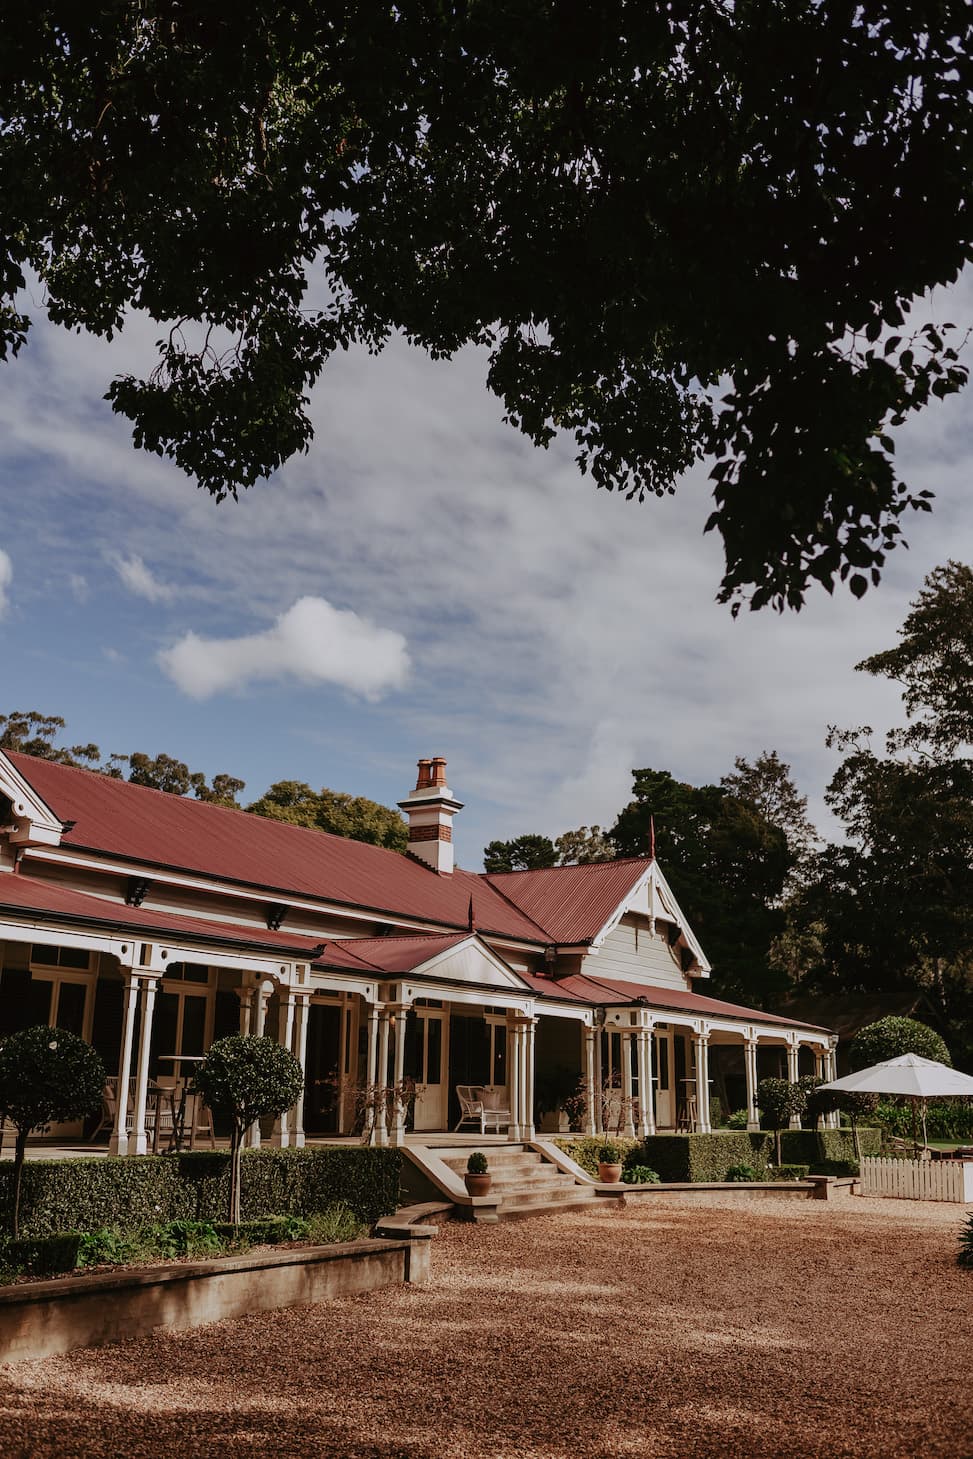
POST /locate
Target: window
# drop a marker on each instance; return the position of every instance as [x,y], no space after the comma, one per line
[78,958]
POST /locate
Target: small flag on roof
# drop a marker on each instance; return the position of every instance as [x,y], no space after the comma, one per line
[652,837]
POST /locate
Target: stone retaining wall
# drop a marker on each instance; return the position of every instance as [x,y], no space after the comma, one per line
[39,1319]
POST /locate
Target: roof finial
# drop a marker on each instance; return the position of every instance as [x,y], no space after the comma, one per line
[652,837]
[472,918]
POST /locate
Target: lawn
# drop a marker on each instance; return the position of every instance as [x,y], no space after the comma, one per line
[690,1331]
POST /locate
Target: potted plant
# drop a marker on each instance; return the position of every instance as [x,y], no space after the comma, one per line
[609,1164]
[477,1174]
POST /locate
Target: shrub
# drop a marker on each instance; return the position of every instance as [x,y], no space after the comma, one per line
[477,1163]
[128,1194]
[738,1120]
[965,1257]
[716,1119]
[741,1172]
[335,1223]
[835,1167]
[43,1256]
[246,1078]
[946,1119]
[640,1175]
[46,1075]
[891,1037]
[787,1172]
[610,1154]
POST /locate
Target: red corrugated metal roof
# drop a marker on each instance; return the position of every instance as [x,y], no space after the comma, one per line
[605,991]
[152,828]
[386,955]
[49,901]
[572,903]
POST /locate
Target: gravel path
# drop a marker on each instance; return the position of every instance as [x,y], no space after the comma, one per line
[690,1332]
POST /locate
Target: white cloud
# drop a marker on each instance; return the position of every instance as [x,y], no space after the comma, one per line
[140,579]
[78,584]
[312,642]
[6,578]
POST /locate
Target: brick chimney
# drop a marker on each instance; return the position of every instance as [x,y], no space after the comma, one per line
[430,809]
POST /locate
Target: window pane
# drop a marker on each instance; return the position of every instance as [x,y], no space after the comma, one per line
[195,972]
[75,957]
[38,1002]
[70,1007]
[193,1025]
[662,1062]
[434,1034]
[46,956]
[499,1075]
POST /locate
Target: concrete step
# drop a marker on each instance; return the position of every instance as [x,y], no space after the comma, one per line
[537,1182]
[517,1210]
[542,1196]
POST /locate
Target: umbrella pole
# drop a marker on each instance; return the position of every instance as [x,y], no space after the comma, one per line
[915,1132]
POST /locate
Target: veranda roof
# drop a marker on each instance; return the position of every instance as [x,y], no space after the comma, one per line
[908,1075]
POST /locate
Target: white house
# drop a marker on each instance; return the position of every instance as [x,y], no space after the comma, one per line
[152,925]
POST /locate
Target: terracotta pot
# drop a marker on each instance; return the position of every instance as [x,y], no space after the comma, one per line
[477,1185]
[609,1174]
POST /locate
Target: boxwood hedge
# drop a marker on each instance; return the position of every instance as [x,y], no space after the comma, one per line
[693,1157]
[131,1192]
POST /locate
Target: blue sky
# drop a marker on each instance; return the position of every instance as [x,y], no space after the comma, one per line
[422,582]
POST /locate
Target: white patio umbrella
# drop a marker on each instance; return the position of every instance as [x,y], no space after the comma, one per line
[909,1075]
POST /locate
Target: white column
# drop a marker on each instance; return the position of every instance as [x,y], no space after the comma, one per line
[245,996]
[371,1075]
[516,1074]
[750,1066]
[380,1090]
[285,1037]
[259,1013]
[625,1045]
[599,1081]
[530,1027]
[118,1144]
[834,1120]
[589,1035]
[701,1042]
[140,1136]
[398,1106]
[643,1054]
[793,1074]
[300,1049]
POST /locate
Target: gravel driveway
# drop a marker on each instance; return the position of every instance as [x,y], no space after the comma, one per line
[799,1329]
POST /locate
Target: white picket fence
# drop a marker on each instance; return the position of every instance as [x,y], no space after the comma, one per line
[918,1180]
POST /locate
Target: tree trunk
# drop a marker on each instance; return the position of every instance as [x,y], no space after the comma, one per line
[20,1150]
[236,1150]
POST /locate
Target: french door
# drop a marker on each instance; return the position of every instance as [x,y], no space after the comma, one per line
[429,1059]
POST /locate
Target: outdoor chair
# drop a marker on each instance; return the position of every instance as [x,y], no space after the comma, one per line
[109,1105]
[480,1105]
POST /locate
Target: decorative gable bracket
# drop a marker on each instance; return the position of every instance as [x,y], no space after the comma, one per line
[30,822]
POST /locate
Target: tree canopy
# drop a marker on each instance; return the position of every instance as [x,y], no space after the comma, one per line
[681,230]
[354,816]
[727,863]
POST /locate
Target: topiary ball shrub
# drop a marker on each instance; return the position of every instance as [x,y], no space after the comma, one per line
[477,1163]
[46,1075]
[890,1038]
[247,1078]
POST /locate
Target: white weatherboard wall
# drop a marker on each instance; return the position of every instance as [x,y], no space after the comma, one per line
[632,953]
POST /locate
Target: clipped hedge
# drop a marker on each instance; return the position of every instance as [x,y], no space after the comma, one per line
[687,1157]
[810,1147]
[583,1149]
[128,1193]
